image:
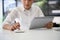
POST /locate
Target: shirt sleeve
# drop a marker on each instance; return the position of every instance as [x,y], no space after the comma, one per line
[11,16]
[40,13]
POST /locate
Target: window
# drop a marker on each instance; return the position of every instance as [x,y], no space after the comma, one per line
[54,7]
[49,7]
[1,11]
[7,6]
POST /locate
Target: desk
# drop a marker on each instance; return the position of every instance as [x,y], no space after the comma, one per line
[36,34]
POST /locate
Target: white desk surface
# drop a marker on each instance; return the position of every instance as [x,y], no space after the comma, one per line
[37,34]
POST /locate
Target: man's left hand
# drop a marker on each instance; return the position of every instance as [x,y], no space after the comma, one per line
[49,25]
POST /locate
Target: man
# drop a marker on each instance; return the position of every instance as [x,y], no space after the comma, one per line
[25,13]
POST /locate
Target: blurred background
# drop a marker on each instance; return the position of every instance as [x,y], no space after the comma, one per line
[49,7]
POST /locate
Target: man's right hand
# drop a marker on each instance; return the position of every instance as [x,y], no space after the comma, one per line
[12,27]
[15,26]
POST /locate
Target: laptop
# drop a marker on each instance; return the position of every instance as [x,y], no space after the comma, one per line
[40,22]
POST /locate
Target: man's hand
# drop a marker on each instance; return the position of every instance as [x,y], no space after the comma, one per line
[12,27]
[15,26]
[49,25]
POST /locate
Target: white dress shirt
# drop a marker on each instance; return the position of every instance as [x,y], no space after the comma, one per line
[25,16]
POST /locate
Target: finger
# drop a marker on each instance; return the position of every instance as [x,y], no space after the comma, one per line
[17,25]
[18,28]
[12,29]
